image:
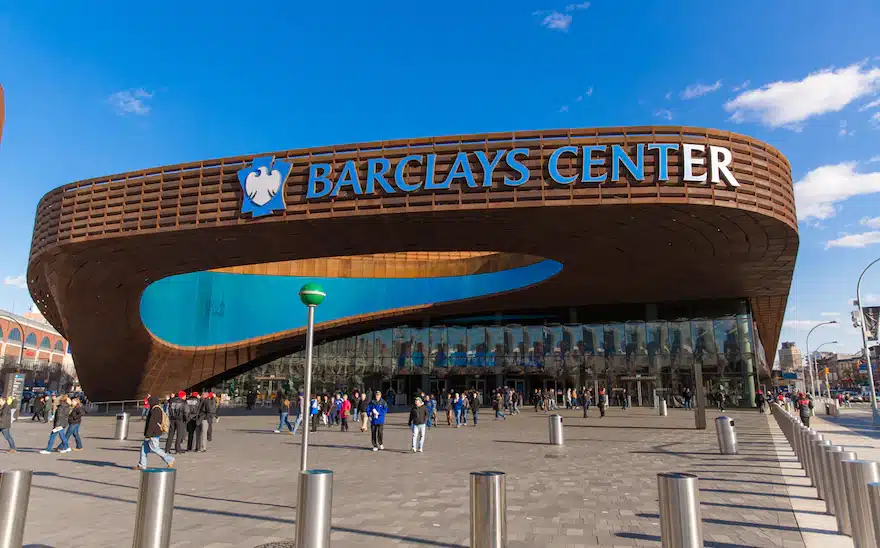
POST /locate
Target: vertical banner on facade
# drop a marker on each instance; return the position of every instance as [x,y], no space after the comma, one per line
[872,315]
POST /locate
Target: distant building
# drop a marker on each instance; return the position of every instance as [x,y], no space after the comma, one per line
[790,357]
[45,355]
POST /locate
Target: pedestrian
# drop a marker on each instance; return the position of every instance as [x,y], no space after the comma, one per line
[759,401]
[344,413]
[298,412]
[458,408]
[211,409]
[193,403]
[805,408]
[450,409]
[38,409]
[283,414]
[720,397]
[53,405]
[362,411]
[144,409]
[59,426]
[203,422]
[6,407]
[157,424]
[430,405]
[314,412]
[687,396]
[377,410]
[418,418]
[474,403]
[624,399]
[251,400]
[176,422]
[499,408]
[602,402]
[355,400]
[74,420]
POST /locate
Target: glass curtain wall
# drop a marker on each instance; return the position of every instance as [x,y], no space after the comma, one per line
[648,359]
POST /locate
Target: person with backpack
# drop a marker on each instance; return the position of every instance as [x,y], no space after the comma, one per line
[377,410]
[344,412]
[6,408]
[193,404]
[157,424]
[177,422]
[283,416]
[805,408]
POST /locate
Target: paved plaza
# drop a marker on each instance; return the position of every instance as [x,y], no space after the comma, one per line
[599,490]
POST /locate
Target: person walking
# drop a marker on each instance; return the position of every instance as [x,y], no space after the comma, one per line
[362,411]
[687,396]
[211,409]
[355,399]
[760,401]
[377,410]
[458,408]
[474,403]
[193,403]
[805,408]
[314,412]
[176,422]
[283,414]
[74,420]
[344,413]
[418,418]
[602,403]
[6,407]
[450,409]
[38,409]
[298,412]
[499,408]
[431,406]
[59,426]
[157,424]
[144,409]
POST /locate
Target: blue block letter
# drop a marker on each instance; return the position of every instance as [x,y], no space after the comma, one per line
[323,178]
[553,165]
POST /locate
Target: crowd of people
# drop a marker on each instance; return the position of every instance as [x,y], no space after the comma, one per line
[65,414]
[178,415]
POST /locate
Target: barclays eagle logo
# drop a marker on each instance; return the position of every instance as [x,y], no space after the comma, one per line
[263,186]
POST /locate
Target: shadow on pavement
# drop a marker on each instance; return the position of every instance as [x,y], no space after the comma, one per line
[100,463]
[655,538]
[756,525]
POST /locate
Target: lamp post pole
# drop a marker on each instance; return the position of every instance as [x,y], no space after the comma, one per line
[874,417]
[827,384]
[812,370]
[311,295]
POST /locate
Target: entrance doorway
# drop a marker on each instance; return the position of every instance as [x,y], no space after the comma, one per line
[517,385]
[437,387]
[399,392]
[480,386]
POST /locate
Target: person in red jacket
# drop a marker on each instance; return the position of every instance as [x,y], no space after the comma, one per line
[344,412]
[146,408]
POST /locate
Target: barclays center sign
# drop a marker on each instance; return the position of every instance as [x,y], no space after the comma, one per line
[263,181]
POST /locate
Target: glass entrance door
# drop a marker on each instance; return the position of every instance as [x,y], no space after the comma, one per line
[438,386]
[480,386]
[517,385]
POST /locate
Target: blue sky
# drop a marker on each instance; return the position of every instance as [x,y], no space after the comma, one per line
[96,88]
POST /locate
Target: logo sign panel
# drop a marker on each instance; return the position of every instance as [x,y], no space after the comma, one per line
[263,181]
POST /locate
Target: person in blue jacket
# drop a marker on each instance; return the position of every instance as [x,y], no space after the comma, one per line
[431,405]
[458,407]
[376,411]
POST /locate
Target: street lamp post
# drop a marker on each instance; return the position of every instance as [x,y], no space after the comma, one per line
[874,417]
[812,370]
[827,384]
[311,295]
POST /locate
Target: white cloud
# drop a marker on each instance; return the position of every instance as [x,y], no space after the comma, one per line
[664,113]
[873,159]
[821,188]
[843,132]
[871,298]
[863,239]
[697,90]
[557,21]
[806,324]
[876,118]
[741,87]
[784,103]
[873,104]
[132,101]
[574,7]
[870,222]
[830,314]
[16,281]
[564,108]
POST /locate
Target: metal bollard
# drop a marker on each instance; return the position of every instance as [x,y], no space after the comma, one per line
[313,509]
[15,491]
[556,437]
[797,432]
[874,500]
[488,510]
[121,426]
[841,505]
[827,475]
[858,474]
[808,454]
[817,447]
[152,524]
[663,411]
[724,427]
[681,525]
